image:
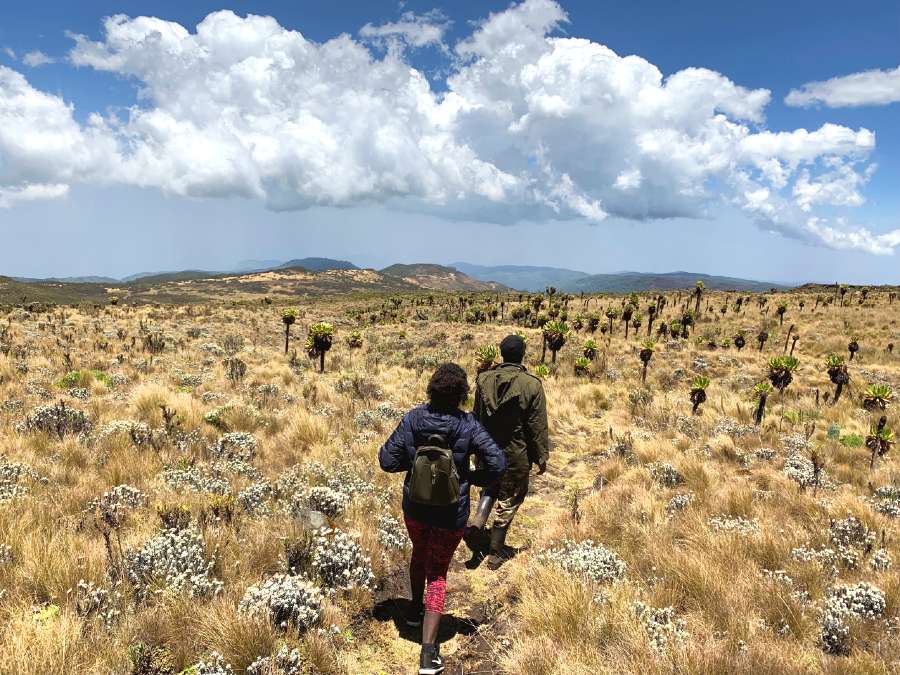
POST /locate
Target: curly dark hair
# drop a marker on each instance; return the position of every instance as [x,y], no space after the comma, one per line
[448,387]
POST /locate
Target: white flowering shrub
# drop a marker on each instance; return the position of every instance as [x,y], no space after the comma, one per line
[235,445]
[95,601]
[843,606]
[795,444]
[765,454]
[138,432]
[216,416]
[188,380]
[679,502]
[57,418]
[664,629]
[349,484]
[287,601]
[824,556]
[214,664]
[376,418]
[881,560]
[237,467]
[340,561]
[110,509]
[175,559]
[283,662]
[193,478]
[886,500]
[327,500]
[593,562]
[264,394]
[665,474]
[800,470]
[731,427]
[15,479]
[392,533]
[212,348]
[254,498]
[6,555]
[735,524]
[783,579]
[852,540]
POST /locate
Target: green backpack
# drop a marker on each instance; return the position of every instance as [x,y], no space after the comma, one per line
[433,479]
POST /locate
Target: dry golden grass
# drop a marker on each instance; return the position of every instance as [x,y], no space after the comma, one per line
[600,486]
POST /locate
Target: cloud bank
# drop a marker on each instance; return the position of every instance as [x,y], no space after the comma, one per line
[871,87]
[530,125]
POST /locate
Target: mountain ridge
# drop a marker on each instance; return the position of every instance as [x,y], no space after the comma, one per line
[535,278]
[342,276]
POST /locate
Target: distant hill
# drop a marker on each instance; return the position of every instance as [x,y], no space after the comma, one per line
[14,291]
[253,265]
[439,278]
[318,264]
[522,277]
[150,278]
[69,280]
[627,282]
[289,282]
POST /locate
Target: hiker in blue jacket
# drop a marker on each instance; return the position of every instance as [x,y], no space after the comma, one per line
[436,530]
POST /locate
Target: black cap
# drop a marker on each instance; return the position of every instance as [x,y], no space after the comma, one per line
[512,348]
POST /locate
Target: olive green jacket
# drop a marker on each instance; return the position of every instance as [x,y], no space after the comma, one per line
[510,403]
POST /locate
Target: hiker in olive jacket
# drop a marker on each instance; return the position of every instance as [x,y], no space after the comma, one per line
[510,403]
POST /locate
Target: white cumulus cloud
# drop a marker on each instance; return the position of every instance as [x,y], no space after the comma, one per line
[42,148]
[529,125]
[871,87]
[37,58]
[414,30]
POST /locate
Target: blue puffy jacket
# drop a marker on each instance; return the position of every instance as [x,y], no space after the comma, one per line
[466,436]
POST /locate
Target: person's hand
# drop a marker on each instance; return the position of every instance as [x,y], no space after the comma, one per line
[542,467]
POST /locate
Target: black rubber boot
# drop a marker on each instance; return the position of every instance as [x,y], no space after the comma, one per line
[476,537]
[483,511]
[500,553]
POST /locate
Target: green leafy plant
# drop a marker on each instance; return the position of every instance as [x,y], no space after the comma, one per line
[319,341]
[288,318]
[877,397]
[698,392]
[612,314]
[837,373]
[879,440]
[83,378]
[853,346]
[781,369]
[486,357]
[555,335]
[582,365]
[646,353]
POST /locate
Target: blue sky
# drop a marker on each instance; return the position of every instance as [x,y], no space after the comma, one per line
[128,199]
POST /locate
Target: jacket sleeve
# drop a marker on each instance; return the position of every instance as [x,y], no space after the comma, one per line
[492,460]
[394,456]
[478,407]
[537,430]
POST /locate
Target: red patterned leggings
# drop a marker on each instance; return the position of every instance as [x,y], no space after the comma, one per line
[432,552]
